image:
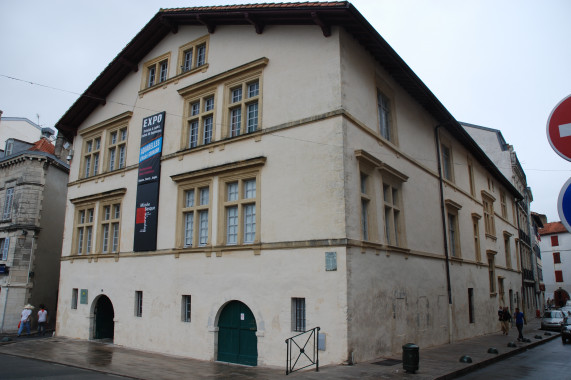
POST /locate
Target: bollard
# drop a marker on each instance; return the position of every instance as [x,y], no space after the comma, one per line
[410,357]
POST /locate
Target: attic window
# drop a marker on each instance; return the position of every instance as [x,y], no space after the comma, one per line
[192,55]
[156,71]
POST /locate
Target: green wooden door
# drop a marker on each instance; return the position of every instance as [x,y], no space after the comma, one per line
[104,314]
[237,341]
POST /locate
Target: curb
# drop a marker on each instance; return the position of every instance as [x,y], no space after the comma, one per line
[497,358]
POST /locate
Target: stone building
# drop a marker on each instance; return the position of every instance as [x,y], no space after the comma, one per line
[32,205]
[504,156]
[280,169]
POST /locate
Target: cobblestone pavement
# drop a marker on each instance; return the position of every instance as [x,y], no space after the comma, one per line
[441,362]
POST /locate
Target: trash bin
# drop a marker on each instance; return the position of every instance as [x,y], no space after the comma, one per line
[410,357]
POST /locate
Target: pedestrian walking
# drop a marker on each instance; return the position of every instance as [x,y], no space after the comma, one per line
[506,318]
[25,319]
[518,316]
[42,320]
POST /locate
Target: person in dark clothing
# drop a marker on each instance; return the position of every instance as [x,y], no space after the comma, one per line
[518,315]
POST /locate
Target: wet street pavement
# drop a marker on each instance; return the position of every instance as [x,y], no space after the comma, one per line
[440,362]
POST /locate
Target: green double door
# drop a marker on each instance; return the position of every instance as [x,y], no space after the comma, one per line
[237,341]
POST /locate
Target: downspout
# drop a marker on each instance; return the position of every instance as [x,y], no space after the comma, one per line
[517,202]
[445,238]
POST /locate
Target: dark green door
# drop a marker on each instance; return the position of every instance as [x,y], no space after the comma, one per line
[104,314]
[237,341]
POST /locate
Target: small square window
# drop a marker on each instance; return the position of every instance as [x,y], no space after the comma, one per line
[298,314]
[330,261]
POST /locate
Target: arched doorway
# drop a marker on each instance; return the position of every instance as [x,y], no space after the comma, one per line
[560,297]
[103,314]
[237,341]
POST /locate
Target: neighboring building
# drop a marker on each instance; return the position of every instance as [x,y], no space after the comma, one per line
[505,158]
[308,178]
[555,247]
[536,225]
[14,131]
[32,205]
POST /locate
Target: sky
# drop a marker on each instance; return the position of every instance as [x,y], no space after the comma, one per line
[502,64]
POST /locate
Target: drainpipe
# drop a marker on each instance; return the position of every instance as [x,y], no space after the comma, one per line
[517,202]
[445,238]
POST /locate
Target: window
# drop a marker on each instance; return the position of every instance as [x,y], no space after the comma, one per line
[555,241]
[385,116]
[199,121]
[97,220]
[74,295]
[156,71]
[243,107]
[110,221]
[507,250]
[489,221]
[476,232]
[453,239]
[185,308]
[116,148]
[471,318]
[447,169]
[240,208]
[503,204]
[365,200]
[84,229]
[8,201]
[192,55]
[517,254]
[4,245]
[558,276]
[471,177]
[91,155]
[501,290]
[492,272]
[392,213]
[556,258]
[298,314]
[9,147]
[138,303]
[194,214]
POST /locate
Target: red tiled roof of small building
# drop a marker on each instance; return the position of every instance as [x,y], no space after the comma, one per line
[43,145]
[552,228]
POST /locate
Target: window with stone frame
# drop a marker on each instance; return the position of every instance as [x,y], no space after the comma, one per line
[240,205]
[243,107]
[453,226]
[8,201]
[155,71]
[507,249]
[447,162]
[195,214]
[492,271]
[199,113]
[97,223]
[503,204]
[476,234]
[116,148]
[193,55]
[91,155]
[489,216]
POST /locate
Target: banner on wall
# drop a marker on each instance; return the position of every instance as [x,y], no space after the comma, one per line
[148,183]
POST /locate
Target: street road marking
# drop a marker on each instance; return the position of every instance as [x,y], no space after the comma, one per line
[565,130]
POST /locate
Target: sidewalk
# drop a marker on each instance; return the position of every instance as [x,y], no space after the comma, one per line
[442,362]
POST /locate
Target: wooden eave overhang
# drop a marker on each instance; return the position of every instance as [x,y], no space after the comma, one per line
[322,15]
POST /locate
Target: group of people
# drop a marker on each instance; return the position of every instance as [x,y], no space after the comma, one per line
[26,320]
[505,318]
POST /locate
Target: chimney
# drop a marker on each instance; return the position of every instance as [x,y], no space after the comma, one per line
[47,133]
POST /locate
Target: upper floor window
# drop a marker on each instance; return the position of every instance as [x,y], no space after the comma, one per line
[476,233]
[507,250]
[200,120]
[8,201]
[385,116]
[194,214]
[192,55]
[554,241]
[91,155]
[4,246]
[556,257]
[365,200]
[392,212]
[489,220]
[110,221]
[447,163]
[503,204]
[471,177]
[492,272]
[9,147]
[243,107]
[116,148]
[558,276]
[452,209]
[240,209]
[156,71]
[84,229]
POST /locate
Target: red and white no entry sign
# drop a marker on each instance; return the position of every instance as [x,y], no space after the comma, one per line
[559,128]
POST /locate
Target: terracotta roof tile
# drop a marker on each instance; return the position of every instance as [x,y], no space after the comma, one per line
[43,145]
[552,228]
